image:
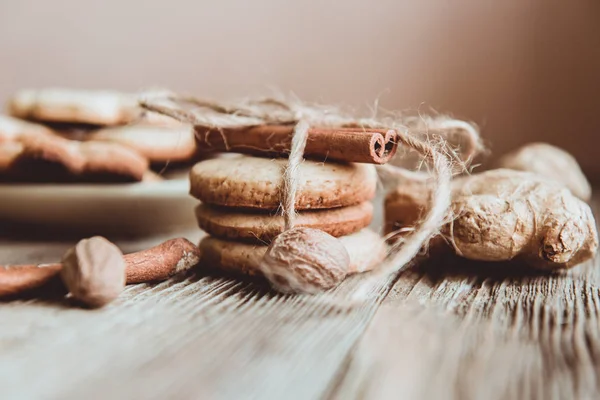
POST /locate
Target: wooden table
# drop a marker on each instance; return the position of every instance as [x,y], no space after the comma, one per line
[449,329]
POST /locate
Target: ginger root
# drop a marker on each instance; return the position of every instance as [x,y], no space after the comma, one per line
[551,162]
[503,214]
[408,202]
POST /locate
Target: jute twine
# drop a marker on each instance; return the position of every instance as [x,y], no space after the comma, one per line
[441,158]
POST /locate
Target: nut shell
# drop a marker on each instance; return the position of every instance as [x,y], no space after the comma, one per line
[94,271]
[305,260]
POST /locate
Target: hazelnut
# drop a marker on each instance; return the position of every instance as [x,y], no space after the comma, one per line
[305,260]
[94,271]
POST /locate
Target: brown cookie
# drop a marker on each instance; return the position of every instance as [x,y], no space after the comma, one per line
[158,144]
[253,182]
[12,128]
[236,224]
[151,176]
[41,142]
[365,247]
[113,159]
[97,107]
[44,156]
[102,162]
[9,151]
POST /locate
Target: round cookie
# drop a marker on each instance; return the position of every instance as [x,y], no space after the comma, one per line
[157,143]
[365,247]
[13,129]
[9,151]
[254,182]
[89,162]
[34,153]
[236,224]
[97,107]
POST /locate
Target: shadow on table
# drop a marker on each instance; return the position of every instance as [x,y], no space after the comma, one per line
[52,292]
[31,232]
[256,286]
[451,267]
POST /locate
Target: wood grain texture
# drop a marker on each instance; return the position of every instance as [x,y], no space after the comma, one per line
[196,336]
[453,329]
[446,329]
[467,337]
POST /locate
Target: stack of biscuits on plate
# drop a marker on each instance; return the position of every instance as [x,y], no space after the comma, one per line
[59,135]
[240,208]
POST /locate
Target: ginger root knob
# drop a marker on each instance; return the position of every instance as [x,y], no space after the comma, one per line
[305,260]
[551,162]
[504,214]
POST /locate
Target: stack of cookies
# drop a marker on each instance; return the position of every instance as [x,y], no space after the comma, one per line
[240,208]
[58,135]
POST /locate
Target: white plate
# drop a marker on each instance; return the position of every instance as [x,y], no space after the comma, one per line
[148,207]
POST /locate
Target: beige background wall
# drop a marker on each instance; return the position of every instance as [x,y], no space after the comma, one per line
[523,70]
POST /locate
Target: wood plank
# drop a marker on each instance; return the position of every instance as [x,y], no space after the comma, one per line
[459,330]
[197,336]
[446,329]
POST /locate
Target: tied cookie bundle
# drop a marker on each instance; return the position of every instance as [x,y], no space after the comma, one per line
[295,208]
[250,215]
[240,210]
[60,135]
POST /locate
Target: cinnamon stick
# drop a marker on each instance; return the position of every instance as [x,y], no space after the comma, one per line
[374,146]
[20,278]
[161,262]
[155,264]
